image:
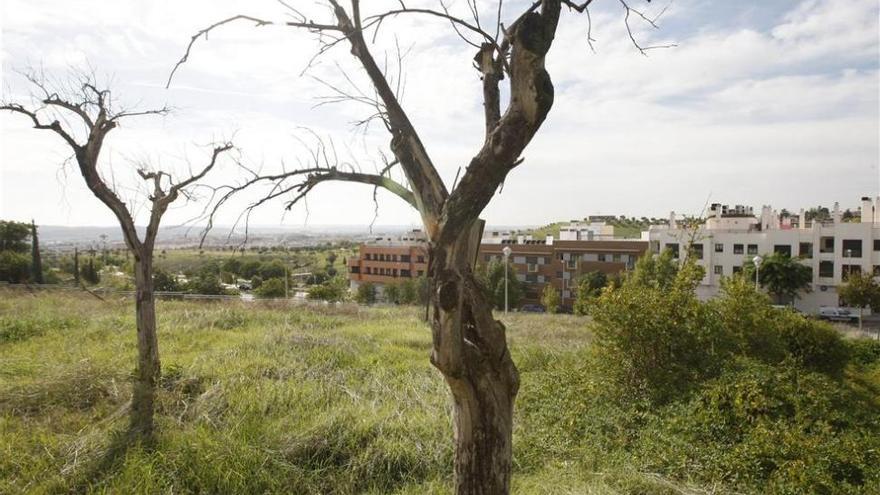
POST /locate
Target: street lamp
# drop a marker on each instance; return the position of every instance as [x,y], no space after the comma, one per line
[757,261]
[506,251]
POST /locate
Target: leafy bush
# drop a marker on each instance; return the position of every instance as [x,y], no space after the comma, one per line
[273,287]
[14,267]
[775,429]
[864,352]
[657,339]
[333,290]
[366,293]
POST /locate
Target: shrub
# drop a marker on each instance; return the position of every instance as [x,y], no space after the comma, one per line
[657,339]
[762,428]
[273,287]
[864,352]
[14,267]
[366,293]
[333,290]
[550,299]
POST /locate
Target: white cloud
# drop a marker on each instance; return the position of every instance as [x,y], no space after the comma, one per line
[736,109]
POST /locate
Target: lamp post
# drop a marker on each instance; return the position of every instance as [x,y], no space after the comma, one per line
[757,261]
[506,251]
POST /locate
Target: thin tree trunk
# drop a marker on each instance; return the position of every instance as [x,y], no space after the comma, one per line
[470,349]
[148,370]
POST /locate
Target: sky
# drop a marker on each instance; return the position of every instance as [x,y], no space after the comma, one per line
[771,102]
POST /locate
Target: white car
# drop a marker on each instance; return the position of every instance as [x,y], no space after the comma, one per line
[837,314]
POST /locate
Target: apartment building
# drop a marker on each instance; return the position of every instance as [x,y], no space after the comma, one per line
[536,262]
[389,259]
[730,236]
[561,262]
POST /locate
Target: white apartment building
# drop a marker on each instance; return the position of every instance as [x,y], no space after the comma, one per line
[580,231]
[730,236]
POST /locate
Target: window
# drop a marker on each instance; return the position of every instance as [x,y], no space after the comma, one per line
[532,260]
[572,264]
[368,256]
[405,273]
[847,270]
[753,249]
[826,245]
[877,270]
[783,249]
[420,273]
[697,250]
[601,258]
[737,249]
[394,272]
[355,269]
[406,258]
[805,250]
[876,244]
[487,258]
[420,259]
[737,269]
[719,247]
[532,267]
[615,258]
[532,278]
[852,248]
[674,248]
[826,269]
[718,269]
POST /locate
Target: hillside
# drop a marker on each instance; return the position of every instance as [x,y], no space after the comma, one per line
[261,398]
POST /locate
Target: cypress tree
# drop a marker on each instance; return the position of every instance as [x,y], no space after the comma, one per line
[36,261]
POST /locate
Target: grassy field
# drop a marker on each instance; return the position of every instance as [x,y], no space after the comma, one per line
[258,398]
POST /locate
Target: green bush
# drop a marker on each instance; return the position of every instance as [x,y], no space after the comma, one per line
[366,293]
[273,287]
[864,352]
[14,267]
[776,429]
[658,341]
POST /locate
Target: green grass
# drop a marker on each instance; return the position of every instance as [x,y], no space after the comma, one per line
[264,398]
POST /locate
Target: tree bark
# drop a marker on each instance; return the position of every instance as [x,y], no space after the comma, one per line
[470,349]
[148,369]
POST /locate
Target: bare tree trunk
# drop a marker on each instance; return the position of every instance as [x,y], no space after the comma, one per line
[148,370]
[470,350]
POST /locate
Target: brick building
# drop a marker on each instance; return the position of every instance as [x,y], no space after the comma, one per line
[387,260]
[561,263]
[537,263]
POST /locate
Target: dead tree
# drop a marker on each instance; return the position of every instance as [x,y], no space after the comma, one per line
[469,345]
[93,112]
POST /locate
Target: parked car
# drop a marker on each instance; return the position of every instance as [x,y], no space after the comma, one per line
[532,308]
[837,314]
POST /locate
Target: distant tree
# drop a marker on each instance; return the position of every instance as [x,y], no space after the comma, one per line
[164,281]
[207,283]
[76,266]
[274,287]
[782,276]
[861,290]
[256,282]
[409,292]
[14,267]
[550,299]
[391,293]
[13,236]
[272,269]
[331,258]
[492,276]
[232,265]
[366,293]
[423,286]
[250,268]
[36,260]
[332,290]
[89,273]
